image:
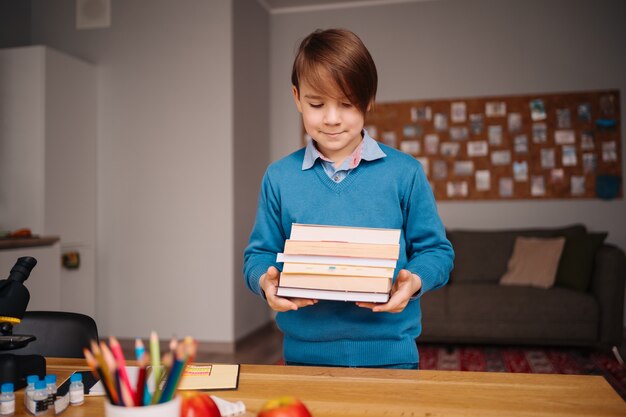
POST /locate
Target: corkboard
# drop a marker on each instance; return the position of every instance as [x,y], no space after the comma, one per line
[571,150]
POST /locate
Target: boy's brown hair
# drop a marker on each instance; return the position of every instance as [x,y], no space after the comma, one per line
[340,54]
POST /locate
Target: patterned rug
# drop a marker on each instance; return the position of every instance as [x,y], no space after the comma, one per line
[527,360]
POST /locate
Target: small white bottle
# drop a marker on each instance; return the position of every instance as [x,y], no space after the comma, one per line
[30,387]
[7,399]
[40,399]
[77,393]
[51,388]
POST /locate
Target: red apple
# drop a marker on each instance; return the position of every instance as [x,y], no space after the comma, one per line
[284,407]
[197,404]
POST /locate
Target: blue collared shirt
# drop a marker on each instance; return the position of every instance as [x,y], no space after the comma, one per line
[368,150]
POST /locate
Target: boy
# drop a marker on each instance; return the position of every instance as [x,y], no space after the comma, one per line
[344,177]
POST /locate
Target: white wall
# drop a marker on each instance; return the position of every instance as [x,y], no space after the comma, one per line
[165,162]
[22,134]
[70,174]
[170,208]
[251,145]
[469,48]
[48,174]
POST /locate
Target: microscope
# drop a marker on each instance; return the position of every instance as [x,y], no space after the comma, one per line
[14,299]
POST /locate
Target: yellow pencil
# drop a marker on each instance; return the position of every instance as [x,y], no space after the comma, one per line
[109,379]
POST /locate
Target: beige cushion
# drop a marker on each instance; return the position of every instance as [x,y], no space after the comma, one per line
[534,262]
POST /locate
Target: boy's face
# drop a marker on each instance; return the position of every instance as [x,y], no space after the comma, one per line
[333,122]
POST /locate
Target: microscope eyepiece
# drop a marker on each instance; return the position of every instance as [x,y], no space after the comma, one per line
[22,268]
[14,295]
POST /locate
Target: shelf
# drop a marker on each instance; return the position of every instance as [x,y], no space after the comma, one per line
[15,243]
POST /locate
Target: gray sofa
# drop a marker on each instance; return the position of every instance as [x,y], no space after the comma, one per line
[474,308]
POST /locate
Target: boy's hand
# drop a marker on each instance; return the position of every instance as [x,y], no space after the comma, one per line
[403,289]
[269,285]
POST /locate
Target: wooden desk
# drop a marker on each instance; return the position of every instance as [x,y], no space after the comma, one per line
[374,392]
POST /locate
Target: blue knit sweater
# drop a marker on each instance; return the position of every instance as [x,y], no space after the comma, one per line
[391,192]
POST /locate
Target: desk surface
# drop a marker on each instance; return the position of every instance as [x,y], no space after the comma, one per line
[376,392]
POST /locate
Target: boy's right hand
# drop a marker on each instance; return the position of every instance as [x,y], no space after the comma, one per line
[269,285]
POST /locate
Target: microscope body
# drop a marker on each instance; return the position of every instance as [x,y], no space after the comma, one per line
[14,297]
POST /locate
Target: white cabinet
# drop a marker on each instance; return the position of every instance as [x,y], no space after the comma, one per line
[48,131]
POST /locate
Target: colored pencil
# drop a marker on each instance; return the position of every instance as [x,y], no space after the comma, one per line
[163,376]
[98,373]
[155,359]
[116,350]
[140,350]
[143,396]
[118,385]
[109,381]
[141,380]
[125,396]
[107,363]
[112,366]
[184,354]
[193,348]
[168,389]
[91,362]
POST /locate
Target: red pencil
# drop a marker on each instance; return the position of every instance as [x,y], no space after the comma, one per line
[116,349]
[141,379]
[125,396]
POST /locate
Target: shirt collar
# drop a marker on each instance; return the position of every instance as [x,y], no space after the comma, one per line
[370,151]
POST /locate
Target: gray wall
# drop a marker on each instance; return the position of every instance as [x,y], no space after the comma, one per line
[468,48]
[14,23]
[251,144]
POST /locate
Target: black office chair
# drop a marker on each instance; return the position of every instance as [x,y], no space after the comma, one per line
[59,334]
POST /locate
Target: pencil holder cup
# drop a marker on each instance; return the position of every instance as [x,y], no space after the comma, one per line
[168,409]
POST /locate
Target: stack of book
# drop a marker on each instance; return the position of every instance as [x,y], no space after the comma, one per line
[339,263]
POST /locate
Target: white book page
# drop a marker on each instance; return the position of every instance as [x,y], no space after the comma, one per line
[333,295]
[312,232]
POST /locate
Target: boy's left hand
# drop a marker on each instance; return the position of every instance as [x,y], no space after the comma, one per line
[406,285]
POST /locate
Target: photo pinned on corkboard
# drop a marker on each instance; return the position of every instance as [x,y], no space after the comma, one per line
[534,146]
